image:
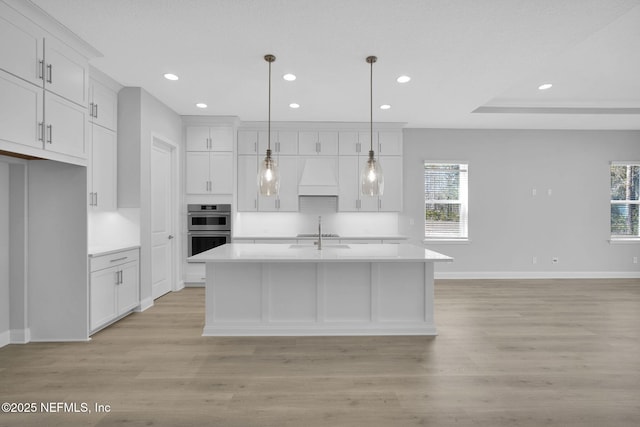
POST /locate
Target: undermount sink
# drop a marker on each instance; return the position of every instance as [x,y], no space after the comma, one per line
[324,246]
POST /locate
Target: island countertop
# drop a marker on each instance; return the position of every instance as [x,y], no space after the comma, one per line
[331,252]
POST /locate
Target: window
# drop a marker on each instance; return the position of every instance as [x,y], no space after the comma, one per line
[625,187]
[446,200]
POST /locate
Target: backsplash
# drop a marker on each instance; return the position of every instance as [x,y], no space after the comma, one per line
[265,224]
[114,228]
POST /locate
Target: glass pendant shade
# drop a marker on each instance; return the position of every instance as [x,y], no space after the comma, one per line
[372,179]
[269,176]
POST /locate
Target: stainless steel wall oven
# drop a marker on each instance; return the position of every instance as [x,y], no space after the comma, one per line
[208,226]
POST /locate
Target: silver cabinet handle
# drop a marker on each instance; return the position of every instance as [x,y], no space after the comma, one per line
[119,259]
[49,73]
[41,131]
[170,237]
[50,134]
[255,147]
[91,109]
[96,198]
[41,69]
[96,112]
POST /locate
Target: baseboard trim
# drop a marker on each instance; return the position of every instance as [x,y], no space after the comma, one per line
[145,304]
[5,338]
[537,275]
[311,330]
[20,336]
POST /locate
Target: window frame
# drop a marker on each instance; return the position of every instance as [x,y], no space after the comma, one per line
[620,238]
[463,201]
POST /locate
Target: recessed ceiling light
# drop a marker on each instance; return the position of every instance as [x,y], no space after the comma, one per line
[545,86]
[170,76]
[201,105]
[385,106]
[403,79]
[294,105]
[289,77]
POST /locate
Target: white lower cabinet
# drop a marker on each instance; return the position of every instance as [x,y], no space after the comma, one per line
[114,287]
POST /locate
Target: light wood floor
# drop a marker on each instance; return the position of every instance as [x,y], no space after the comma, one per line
[509,353]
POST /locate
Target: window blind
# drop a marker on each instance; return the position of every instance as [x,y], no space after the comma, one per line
[446,200]
[625,203]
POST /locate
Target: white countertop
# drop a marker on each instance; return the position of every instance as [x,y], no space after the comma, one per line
[341,237]
[109,249]
[249,252]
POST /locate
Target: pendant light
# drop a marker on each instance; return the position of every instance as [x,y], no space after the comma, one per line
[371,179]
[269,176]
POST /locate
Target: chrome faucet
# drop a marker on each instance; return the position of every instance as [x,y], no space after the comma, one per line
[319,233]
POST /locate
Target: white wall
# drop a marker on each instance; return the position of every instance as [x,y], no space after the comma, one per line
[4,254]
[507,225]
[141,116]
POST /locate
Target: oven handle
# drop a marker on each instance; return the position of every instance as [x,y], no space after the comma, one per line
[209,233]
[209,213]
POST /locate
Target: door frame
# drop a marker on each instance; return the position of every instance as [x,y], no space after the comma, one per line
[174,151]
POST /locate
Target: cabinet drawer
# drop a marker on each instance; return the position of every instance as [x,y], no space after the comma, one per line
[111,260]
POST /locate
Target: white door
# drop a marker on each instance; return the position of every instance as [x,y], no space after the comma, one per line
[162,246]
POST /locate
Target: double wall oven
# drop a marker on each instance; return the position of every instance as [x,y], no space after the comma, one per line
[209,226]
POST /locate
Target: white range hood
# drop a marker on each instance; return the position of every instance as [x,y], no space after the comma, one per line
[319,177]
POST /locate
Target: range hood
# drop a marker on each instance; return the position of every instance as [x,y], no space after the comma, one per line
[319,177]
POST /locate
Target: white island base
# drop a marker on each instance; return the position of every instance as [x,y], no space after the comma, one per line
[342,290]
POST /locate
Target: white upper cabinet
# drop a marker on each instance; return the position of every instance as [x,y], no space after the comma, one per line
[319,143]
[20,112]
[49,59]
[209,173]
[206,138]
[66,72]
[247,142]
[103,105]
[282,142]
[247,183]
[391,199]
[65,128]
[20,46]
[348,143]
[103,169]
[389,143]
[287,198]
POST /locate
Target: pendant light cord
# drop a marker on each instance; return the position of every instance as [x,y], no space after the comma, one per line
[371,60]
[269,125]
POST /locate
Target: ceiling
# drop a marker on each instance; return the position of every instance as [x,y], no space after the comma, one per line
[473,64]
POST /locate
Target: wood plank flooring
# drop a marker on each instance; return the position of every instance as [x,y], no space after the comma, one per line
[509,353]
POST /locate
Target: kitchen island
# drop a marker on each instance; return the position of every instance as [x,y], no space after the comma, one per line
[289,289]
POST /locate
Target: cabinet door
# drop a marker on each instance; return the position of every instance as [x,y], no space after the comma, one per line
[247,183]
[348,143]
[308,143]
[287,142]
[128,289]
[104,168]
[197,138]
[328,143]
[66,72]
[65,126]
[221,173]
[20,46]
[247,142]
[20,111]
[391,199]
[221,138]
[389,143]
[348,195]
[103,297]
[288,196]
[104,106]
[364,140]
[197,172]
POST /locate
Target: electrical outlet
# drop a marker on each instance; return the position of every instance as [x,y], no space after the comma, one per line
[635,259]
[534,260]
[554,260]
